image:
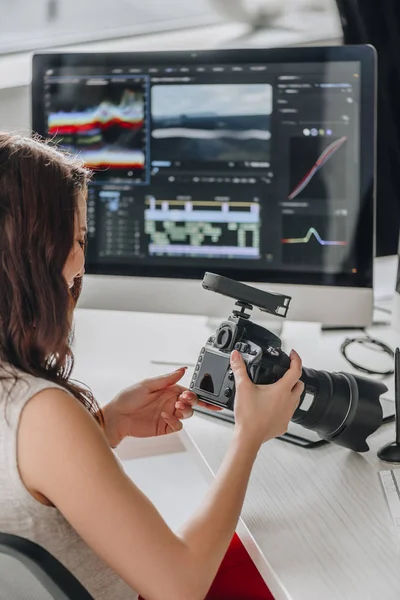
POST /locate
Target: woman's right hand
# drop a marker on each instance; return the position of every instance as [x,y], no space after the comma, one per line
[263,412]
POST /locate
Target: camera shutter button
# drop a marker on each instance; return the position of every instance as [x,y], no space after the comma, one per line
[242,347]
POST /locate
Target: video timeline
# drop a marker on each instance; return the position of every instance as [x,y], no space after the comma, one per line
[199,228]
[104,124]
[203,123]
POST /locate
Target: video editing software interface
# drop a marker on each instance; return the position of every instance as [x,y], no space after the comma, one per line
[248,166]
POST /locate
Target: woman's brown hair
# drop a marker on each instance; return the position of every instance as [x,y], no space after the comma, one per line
[39,189]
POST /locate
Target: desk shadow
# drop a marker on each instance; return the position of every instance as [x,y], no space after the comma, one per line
[132,448]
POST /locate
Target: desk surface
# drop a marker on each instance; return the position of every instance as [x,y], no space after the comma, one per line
[315,521]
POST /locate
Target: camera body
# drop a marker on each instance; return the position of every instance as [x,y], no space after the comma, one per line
[341,407]
[213,380]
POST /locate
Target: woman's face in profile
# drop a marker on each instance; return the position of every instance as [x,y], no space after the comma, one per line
[75,265]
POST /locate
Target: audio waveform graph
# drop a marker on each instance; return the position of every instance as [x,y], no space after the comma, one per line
[313,232]
[314,241]
[306,151]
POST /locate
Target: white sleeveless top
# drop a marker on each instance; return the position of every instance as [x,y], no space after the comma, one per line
[22,515]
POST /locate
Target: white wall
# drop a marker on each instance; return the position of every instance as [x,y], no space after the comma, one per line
[15,109]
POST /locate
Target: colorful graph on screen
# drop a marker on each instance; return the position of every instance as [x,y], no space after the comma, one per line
[313,232]
[323,158]
[109,134]
[314,241]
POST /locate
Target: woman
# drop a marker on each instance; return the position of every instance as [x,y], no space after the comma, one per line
[60,483]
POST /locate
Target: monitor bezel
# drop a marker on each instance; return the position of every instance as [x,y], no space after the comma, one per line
[364,239]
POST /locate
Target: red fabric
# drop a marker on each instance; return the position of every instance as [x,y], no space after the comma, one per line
[238,577]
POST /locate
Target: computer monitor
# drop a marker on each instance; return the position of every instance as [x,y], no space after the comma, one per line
[254,164]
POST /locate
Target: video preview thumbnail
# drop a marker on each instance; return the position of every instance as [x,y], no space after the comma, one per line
[103,123]
[208,123]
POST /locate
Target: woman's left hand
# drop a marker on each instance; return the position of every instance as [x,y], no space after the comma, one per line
[149,408]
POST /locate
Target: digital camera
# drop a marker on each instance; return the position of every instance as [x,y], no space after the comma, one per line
[340,407]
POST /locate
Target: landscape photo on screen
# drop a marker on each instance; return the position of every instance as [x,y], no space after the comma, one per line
[211,122]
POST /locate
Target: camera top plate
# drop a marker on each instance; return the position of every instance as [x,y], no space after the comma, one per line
[269,302]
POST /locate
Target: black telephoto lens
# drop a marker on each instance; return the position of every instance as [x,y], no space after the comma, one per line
[341,407]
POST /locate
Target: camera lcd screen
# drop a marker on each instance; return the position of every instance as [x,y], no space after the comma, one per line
[212,373]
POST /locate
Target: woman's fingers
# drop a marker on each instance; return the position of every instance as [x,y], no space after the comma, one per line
[172,423]
[188,397]
[208,406]
[293,374]
[297,392]
[183,410]
[298,388]
[239,369]
[155,384]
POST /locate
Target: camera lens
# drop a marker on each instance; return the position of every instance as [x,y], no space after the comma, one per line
[340,407]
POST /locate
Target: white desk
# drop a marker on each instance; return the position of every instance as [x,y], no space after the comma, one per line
[318,526]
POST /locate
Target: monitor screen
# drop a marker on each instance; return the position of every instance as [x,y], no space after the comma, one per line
[245,163]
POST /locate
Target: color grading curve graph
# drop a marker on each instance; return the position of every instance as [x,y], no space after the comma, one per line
[316,241]
[325,184]
[104,124]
